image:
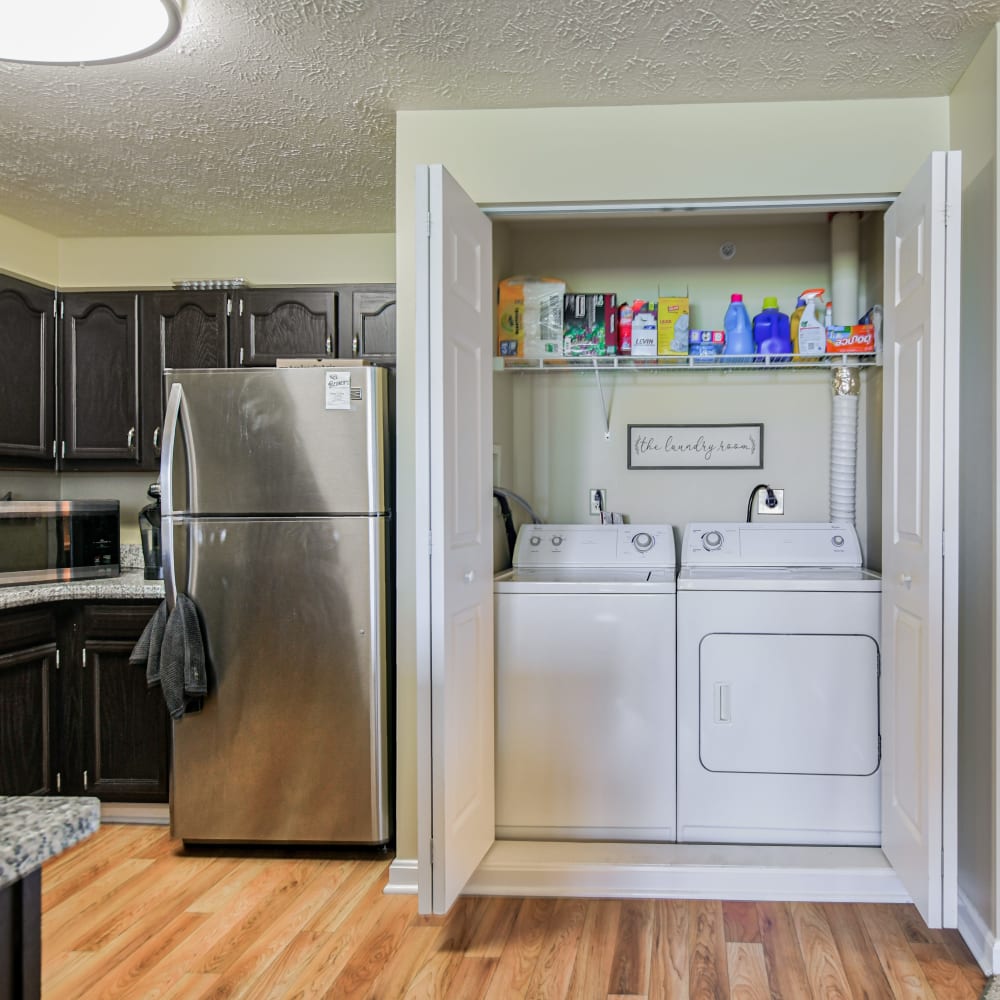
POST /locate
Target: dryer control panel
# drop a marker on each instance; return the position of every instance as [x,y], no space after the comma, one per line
[739,544]
[567,545]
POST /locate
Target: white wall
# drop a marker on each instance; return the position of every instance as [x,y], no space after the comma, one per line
[974,131]
[563,154]
[28,253]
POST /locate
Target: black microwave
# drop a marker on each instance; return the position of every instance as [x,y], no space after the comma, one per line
[53,540]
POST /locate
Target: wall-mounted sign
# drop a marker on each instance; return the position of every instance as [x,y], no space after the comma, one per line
[696,446]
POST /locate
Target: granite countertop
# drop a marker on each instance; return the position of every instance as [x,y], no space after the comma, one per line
[34,829]
[130,585]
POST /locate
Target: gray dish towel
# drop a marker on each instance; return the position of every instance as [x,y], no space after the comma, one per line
[173,651]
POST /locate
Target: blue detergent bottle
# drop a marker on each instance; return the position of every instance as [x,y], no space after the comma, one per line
[772,332]
[739,333]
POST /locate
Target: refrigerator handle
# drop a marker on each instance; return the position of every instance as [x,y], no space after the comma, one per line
[171,422]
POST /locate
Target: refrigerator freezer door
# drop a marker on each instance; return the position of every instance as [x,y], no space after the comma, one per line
[291,745]
[276,441]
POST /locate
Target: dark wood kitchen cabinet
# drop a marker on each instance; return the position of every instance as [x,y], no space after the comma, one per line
[100,380]
[274,323]
[29,730]
[27,376]
[181,329]
[77,717]
[368,323]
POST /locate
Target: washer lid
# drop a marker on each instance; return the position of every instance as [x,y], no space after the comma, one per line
[584,580]
[829,579]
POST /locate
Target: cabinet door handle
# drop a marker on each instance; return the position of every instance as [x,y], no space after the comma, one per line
[83,659]
[86,784]
[356,344]
[58,781]
[329,344]
[131,440]
[156,440]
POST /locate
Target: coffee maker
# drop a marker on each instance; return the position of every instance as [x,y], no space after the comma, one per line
[149,529]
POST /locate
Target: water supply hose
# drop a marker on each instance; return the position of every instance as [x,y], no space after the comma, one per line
[844,444]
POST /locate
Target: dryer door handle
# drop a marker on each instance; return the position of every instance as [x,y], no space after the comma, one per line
[722,707]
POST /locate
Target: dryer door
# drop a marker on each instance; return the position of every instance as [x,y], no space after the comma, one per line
[789,704]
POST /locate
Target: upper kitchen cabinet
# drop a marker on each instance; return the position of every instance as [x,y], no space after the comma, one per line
[27,378]
[100,384]
[285,323]
[181,329]
[368,323]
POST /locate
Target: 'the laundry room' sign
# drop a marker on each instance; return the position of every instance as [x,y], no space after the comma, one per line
[696,446]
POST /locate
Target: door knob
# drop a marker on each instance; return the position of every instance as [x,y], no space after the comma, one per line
[905,580]
[469,577]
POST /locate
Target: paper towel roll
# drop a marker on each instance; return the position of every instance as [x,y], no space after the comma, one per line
[845,243]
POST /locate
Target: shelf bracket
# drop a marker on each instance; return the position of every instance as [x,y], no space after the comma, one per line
[604,403]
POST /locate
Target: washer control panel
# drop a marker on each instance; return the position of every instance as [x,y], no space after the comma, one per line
[569,545]
[738,544]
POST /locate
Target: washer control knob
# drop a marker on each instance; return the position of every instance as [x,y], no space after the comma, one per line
[643,541]
[838,540]
[712,540]
[535,540]
[557,540]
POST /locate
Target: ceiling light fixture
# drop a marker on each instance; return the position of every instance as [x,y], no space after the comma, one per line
[73,32]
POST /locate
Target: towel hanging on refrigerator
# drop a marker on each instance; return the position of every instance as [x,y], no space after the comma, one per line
[172,648]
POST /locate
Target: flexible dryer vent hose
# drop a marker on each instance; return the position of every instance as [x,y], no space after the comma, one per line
[844,445]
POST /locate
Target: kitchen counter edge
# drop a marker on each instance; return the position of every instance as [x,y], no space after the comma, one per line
[131,585]
[36,828]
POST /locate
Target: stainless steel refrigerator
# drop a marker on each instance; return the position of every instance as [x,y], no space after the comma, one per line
[276,522]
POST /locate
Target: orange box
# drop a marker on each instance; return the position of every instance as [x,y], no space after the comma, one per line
[850,339]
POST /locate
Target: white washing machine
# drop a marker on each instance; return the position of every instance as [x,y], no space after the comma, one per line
[777,686]
[585,684]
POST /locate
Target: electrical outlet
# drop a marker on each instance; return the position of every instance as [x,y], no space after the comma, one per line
[598,501]
[777,508]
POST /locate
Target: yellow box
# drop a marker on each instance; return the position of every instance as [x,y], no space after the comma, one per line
[672,323]
[530,317]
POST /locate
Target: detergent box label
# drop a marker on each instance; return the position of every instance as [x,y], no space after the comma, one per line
[590,324]
[672,324]
[644,330]
[850,339]
[530,317]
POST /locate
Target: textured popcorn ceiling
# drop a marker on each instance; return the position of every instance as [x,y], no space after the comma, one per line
[277,116]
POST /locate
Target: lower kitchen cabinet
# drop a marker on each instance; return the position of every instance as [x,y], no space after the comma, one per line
[76,714]
[29,730]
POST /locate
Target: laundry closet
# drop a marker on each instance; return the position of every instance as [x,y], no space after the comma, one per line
[553,435]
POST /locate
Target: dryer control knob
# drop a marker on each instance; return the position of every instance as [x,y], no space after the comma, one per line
[557,540]
[535,540]
[643,541]
[712,540]
[838,540]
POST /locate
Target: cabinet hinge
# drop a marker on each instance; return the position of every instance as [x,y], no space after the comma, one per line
[241,357]
[241,307]
[62,310]
[433,852]
[86,784]
[55,449]
[57,659]
[58,781]
[430,542]
[55,307]
[229,307]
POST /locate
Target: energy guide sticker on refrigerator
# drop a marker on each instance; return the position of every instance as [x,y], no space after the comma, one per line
[276,523]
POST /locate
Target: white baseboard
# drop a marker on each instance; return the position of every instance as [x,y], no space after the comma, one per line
[976,933]
[402,877]
[533,868]
[152,813]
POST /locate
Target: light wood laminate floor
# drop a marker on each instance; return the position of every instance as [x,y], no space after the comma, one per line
[128,914]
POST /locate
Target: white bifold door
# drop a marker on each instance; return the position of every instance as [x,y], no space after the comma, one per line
[918,694]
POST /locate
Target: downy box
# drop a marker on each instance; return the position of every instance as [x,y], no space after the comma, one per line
[530,317]
[590,324]
[672,324]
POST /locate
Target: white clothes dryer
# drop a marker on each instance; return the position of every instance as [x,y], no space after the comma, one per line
[777,686]
[585,684]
